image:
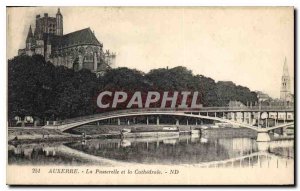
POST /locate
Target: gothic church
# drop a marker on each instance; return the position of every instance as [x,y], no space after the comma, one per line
[77,50]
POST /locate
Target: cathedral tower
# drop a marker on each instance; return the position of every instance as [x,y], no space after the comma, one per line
[29,39]
[59,23]
[285,90]
[30,42]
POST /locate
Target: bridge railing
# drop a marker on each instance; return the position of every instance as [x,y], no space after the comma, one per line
[250,108]
[204,109]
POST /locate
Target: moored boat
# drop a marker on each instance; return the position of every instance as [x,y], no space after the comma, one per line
[167,131]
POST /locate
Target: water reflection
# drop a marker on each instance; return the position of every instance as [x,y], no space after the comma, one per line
[182,150]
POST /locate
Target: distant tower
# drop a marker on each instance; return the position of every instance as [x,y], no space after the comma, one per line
[59,23]
[29,39]
[38,28]
[285,90]
[30,42]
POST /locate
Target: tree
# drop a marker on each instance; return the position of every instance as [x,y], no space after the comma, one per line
[42,90]
[29,86]
[125,79]
[178,78]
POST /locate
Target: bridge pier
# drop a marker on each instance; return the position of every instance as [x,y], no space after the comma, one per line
[177,122]
[258,119]
[263,146]
[263,137]
[250,118]
[119,121]
[157,121]
[277,118]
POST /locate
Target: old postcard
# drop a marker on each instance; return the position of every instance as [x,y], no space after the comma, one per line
[150,96]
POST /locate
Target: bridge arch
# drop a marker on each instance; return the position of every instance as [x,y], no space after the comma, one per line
[75,124]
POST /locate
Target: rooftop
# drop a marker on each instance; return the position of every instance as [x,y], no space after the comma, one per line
[84,36]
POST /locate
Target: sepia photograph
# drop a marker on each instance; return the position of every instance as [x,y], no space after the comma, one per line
[150,95]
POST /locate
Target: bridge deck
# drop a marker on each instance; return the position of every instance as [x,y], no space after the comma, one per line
[75,122]
[202,110]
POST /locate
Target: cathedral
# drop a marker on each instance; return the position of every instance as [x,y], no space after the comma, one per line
[77,50]
[285,90]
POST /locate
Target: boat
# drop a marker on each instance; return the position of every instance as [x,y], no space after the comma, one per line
[195,131]
[126,130]
[167,131]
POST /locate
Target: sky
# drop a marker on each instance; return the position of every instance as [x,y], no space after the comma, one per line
[244,45]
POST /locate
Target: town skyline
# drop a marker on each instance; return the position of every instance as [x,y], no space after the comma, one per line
[165,36]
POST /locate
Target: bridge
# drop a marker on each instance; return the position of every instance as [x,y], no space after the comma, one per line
[219,114]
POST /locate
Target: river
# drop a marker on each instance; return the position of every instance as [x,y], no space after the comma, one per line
[183,150]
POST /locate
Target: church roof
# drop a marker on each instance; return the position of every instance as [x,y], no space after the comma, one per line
[84,36]
[80,37]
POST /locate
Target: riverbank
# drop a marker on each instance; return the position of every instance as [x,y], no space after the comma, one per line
[20,135]
[116,129]
[229,133]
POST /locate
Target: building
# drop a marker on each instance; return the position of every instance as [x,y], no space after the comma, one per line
[285,90]
[262,97]
[77,50]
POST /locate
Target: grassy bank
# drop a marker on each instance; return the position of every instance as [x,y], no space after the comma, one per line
[28,134]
